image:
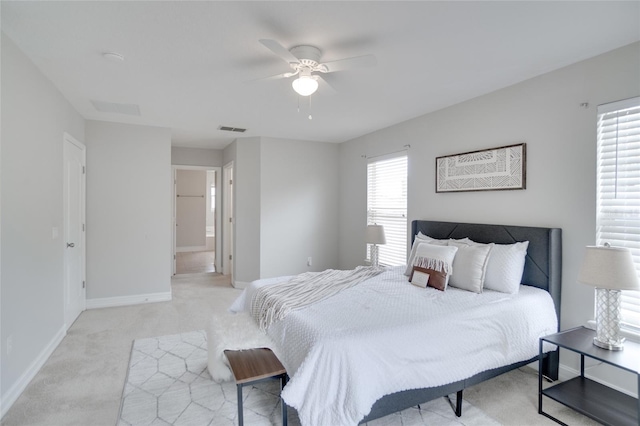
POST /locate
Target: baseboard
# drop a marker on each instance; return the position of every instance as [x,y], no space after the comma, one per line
[190,248]
[240,284]
[21,384]
[110,302]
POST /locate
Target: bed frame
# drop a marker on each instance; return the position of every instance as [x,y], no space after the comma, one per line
[542,269]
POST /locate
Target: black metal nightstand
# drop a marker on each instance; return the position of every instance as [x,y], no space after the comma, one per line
[601,403]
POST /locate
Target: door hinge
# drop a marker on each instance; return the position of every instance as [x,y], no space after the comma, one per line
[83,227]
[174,257]
[230,181]
[83,170]
[83,284]
[230,220]
[230,257]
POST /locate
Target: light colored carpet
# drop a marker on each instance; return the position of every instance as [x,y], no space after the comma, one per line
[168,384]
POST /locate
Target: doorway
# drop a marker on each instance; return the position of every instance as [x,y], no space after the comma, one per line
[196,220]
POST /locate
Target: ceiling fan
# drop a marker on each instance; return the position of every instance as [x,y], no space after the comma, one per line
[304,61]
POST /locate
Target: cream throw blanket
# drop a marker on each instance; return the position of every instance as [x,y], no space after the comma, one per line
[274,302]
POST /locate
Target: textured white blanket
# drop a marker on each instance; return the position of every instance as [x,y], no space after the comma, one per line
[385,336]
[274,302]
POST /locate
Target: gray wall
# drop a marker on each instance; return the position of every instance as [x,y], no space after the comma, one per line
[246,187]
[196,157]
[128,210]
[191,204]
[545,113]
[299,206]
[35,116]
[286,206]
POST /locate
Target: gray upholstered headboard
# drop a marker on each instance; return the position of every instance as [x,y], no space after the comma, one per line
[543,264]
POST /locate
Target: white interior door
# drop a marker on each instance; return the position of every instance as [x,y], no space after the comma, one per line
[74,235]
[228,220]
[174,222]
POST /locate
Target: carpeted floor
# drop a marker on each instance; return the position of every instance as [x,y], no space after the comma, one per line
[168,384]
[82,382]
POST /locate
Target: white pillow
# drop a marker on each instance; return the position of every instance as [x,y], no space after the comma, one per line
[435,256]
[469,266]
[505,267]
[421,238]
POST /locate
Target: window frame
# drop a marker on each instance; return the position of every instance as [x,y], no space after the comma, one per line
[617,203]
[394,217]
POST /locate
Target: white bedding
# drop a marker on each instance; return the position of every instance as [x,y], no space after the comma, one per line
[386,335]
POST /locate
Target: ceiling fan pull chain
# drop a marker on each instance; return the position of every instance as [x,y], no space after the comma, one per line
[310,117]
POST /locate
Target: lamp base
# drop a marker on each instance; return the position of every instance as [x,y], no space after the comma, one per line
[612,346]
[374,255]
[608,317]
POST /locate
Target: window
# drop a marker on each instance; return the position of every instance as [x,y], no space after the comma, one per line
[618,197]
[387,206]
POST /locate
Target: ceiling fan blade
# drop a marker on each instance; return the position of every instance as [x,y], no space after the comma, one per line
[349,63]
[326,83]
[274,77]
[279,50]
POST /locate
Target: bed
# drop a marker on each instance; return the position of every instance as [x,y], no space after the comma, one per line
[344,373]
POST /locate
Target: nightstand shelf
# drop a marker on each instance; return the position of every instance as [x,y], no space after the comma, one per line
[599,402]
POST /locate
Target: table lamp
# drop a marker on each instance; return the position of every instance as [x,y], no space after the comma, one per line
[610,270]
[375,236]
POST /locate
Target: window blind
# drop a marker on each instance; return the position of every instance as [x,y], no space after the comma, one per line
[387,206]
[618,197]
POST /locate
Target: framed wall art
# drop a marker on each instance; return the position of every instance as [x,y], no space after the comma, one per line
[491,169]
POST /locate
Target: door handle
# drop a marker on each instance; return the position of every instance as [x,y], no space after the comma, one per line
[72,245]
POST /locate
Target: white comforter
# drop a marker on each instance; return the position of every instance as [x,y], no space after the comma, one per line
[386,335]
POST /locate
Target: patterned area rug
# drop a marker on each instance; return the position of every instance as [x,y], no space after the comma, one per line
[168,384]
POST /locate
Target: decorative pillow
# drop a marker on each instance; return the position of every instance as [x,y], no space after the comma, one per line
[425,277]
[505,267]
[470,266]
[421,238]
[436,258]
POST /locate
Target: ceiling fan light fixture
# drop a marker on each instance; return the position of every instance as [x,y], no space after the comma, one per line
[305,85]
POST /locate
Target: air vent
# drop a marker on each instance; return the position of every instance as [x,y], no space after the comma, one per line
[232,129]
[127,109]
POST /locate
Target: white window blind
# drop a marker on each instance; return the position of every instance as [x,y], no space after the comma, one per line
[387,206]
[618,198]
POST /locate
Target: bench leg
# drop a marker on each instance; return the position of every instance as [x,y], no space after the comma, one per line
[283,382]
[240,419]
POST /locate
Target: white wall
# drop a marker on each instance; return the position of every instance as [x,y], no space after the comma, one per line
[246,187]
[196,157]
[191,204]
[545,113]
[286,201]
[299,206]
[35,116]
[128,213]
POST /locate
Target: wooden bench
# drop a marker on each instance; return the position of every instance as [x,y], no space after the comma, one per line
[251,366]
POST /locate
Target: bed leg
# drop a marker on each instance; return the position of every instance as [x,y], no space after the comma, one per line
[457,408]
[459,403]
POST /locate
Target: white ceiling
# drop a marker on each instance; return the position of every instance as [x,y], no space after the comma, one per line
[189,65]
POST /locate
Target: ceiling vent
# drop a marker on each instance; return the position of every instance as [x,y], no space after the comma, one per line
[232,129]
[127,109]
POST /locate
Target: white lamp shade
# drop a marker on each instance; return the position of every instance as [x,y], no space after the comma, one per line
[305,85]
[375,235]
[609,267]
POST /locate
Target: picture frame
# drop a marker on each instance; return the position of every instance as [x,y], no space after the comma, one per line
[493,169]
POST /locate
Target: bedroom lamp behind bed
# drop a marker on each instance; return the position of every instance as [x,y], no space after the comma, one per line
[375,236]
